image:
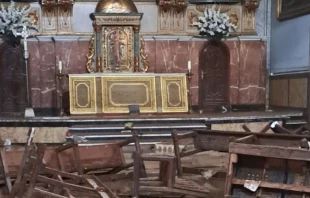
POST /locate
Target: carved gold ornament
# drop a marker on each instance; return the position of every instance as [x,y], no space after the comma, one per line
[90,55]
[136,69]
[116,6]
[49,4]
[99,64]
[178,5]
[251,6]
[65,4]
[221,8]
[145,62]
[192,17]
[166,4]
[233,18]
[34,18]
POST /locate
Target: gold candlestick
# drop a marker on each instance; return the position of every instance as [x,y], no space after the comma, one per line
[189,75]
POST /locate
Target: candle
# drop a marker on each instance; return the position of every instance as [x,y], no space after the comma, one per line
[60,66]
[189,66]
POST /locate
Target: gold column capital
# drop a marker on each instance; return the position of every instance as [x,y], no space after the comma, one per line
[251,6]
[136,28]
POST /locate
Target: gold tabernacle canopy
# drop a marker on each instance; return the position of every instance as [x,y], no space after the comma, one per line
[116,6]
[116,41]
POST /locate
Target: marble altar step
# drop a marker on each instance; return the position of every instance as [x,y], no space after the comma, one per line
[147,132]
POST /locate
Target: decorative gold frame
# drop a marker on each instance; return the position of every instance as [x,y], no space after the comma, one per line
[128,30]
[293,12]
[92,95]
[279,8]
[182,94]
[133,79]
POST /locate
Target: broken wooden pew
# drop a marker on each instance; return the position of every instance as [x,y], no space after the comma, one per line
[212,140]
[166,184]
[267,171]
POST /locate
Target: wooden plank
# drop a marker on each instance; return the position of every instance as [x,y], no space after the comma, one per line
[95,186]
[92,157]
[177,152]
[8,181]
[233,158]
[50,181]
[146,190]
[219,140]
[46,193]
[247,139]
[286,187]
[270,151]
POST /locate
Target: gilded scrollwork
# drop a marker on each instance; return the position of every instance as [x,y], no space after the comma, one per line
[34,18]
[144,61]
[192,17]
[49,4]
[90,54]
[251,6]
[233,17]
[221,8]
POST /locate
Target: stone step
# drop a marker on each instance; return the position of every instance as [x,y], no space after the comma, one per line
[147,132]
[136,127]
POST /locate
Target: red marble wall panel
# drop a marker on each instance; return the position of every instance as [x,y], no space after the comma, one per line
[252,72]
[234,71]
[150,50]
[34,73]
[194,49]
[47,74]
[73,57]
[247,66]
[171,56]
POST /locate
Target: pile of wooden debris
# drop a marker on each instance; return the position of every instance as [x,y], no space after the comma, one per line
[259,165]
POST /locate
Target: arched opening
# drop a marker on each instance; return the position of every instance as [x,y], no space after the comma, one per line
[13,86]
[214,63]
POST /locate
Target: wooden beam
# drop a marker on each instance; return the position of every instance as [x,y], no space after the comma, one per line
[270,151]
[286,187]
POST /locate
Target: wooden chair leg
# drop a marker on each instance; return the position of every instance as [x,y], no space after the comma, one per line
[233,158]
[246,128]
[266,128]
[36,170]
[139,151]
[177,153]
[167,172]
[77,158]
[8,181]
[136,175]
[18,185]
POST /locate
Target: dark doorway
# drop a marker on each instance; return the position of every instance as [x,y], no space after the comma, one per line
[214,63]
[13,86]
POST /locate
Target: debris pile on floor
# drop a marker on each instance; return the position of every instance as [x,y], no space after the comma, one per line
[250,165]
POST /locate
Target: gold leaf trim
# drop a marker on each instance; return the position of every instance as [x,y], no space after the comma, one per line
[143,55]
[90,55]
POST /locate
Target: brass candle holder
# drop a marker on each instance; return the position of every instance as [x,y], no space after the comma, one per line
[60,76]
[189,75]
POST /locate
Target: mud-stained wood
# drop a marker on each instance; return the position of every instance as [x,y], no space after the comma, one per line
[270,151]
[92,157]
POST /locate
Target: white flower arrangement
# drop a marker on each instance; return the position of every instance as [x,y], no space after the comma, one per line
[14,19]
[214,23]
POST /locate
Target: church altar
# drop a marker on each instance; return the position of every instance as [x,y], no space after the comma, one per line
[97,93]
